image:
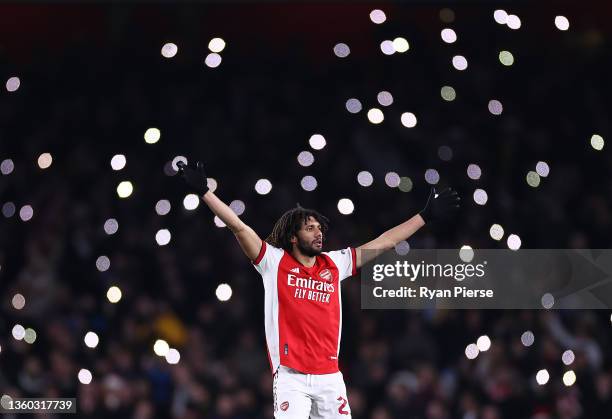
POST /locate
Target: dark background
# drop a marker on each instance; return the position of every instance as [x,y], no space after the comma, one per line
[93,80]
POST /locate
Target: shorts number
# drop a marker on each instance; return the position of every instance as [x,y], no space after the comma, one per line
[343,402]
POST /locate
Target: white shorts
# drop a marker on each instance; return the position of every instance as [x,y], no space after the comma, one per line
[303,396]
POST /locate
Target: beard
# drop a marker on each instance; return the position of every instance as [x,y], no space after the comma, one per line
[307,248]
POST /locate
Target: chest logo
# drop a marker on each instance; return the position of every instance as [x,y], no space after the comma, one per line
[326,274]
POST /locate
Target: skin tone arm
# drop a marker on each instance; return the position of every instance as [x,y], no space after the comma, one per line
[388,239]
[247,238]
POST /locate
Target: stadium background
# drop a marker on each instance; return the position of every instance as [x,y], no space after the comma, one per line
[92,81]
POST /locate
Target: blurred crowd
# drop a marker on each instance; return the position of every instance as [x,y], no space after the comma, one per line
[248,119]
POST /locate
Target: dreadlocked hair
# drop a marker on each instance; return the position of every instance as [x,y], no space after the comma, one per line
[290,223]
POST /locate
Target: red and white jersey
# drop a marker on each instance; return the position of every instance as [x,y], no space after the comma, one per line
[303,308]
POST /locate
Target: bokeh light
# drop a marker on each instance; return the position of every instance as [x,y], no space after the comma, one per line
[118,162]
[473,171]
[12,84]
[237,206]
[500,16]
[460,62]
[377,16]
[216,45]
[152,135]
[432,176]
[409,120]
[513,22]
[18,332]
[447,15]
[448,93]
[401,45]
[597,142]
[111,226]
[173,356]
[91,339]
[163,236]
[384,98]
[533,179]
[480,196]
[387,47]
[8,209]
[471,351]
[375,116]
[26,213]
[346,206]
[392,180]
[527,338]
[506,58]
[223,292]
[495,107]
[305,158]
[569,378]
[85,376]
[483,343]
[177,159]
[169,50]
[308,183]
[353,105]
[466,254]
[513,242]
[342,50]
[365,178]
[125,189]
[402,248]
[114,294]
[191,202]
[317,142]
[7,166]
[161,347]
[568,357]
[542,168]
[548,301]
[496,232]
[542,377]
[213,60]
[102,263]
[448,35]
[562,23]
[45,160]
[218,222]
[405,184]
[163,207]
[30,335]
[18,301]
[263,186]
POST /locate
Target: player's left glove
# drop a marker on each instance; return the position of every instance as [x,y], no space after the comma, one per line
[440,205]
[194,176]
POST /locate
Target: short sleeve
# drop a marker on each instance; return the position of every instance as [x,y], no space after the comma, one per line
[345,262]
[268,259]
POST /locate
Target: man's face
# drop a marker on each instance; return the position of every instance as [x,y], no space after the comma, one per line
[309,239]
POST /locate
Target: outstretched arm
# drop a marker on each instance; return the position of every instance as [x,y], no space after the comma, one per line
[439,205]
[196,178]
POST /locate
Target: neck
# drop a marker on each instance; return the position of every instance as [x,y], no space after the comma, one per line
[307,261]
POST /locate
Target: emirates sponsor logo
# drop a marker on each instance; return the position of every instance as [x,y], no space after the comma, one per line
[284,406]
[310,284]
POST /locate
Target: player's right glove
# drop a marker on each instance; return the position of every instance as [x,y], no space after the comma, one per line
[440,205]
[194,176]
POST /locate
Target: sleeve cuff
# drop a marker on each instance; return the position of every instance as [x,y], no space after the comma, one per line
[261,254]
[354,261]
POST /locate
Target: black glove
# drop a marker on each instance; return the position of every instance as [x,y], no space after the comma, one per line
[195,177]
[441,206]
